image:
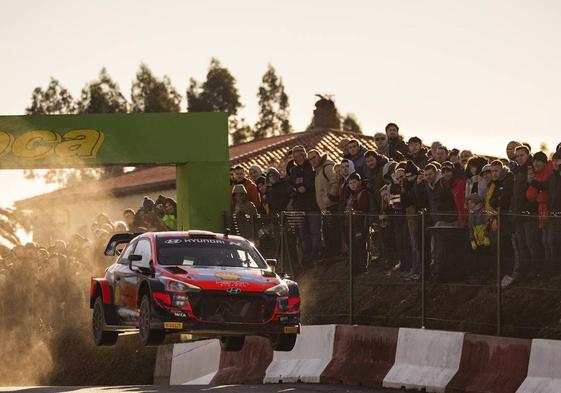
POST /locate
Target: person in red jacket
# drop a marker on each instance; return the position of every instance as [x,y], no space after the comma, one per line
[251,188]
[538,180]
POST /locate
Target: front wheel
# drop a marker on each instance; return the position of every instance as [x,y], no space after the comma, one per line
[148,337]
[283,342]
[232,343]
[101,337]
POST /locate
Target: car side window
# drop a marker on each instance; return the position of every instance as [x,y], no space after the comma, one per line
[124,258]
[144,249]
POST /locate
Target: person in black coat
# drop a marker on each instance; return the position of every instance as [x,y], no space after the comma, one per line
[302,178]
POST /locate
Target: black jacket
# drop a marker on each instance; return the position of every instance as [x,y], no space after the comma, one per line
[519,203]
[304,175]
[278,196]
[502,195]
[444,202]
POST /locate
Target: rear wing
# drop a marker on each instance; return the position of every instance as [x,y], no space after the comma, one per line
[116,240]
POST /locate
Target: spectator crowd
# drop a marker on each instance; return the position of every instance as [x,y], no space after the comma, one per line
[386,204]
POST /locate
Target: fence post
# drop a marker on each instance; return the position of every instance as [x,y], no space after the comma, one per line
[281,255]
[423,271]
[351,282]
[499,288]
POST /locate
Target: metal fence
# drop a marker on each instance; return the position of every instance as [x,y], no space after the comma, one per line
[496,273]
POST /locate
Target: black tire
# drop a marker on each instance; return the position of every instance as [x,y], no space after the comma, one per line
[232,343]
[148,337]
[283,342]
[101,337]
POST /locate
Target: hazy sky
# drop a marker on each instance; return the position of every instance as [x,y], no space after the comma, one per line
[469,73]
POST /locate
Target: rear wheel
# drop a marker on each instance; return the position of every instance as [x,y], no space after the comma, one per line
[101,337]
[283,342]
[148,336]
[232,343]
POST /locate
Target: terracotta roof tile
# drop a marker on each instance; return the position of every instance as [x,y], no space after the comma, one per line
[261,152]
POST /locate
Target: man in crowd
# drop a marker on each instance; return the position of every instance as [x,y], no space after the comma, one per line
[327,197]
[302,179]
[249,185]
[442,154]
[554,224]
[396,142]
[417,152]
[356,152]
[528,240]
[383,147]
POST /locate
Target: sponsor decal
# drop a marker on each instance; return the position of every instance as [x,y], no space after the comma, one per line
[233,291]
[228,276]
[34,145]
[179,314]
[173,325]
[173,241]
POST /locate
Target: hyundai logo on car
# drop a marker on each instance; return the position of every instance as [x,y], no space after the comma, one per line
[233,291]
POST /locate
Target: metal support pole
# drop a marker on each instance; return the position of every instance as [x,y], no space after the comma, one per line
[281,255]
[351,282]
[423,271]
[499,288]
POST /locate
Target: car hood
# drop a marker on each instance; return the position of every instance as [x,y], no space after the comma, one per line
[222,278]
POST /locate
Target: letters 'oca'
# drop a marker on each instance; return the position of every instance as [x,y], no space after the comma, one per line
[34,145]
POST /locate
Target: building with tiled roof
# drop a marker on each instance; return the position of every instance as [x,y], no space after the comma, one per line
[72,209]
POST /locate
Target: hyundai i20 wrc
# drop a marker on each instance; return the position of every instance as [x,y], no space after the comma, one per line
[202,283]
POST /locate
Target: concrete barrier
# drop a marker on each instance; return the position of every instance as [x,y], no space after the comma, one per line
[247,366]
[362,355]
[491,364]
[305,363]
[195,363]
[544,369]
[425,359]
[162,368]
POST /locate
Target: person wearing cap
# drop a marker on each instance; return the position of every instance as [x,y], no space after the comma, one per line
[302,180]
[358,201]
[524,212]
[475,184]
[395,141]
[417,152]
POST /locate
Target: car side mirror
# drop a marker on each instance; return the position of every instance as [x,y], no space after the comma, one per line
[134,258]
[272,263]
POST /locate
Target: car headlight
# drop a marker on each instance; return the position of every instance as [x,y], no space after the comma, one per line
[179,286]
[279,290]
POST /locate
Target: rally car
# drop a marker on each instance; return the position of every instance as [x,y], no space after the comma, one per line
[202,283]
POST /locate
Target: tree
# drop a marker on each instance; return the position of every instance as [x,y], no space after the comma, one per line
[326,114]
[10,221]
[150,94]
[350,124]
[55,99]
[102,96]
[273,106]
[218,93]
[242,131]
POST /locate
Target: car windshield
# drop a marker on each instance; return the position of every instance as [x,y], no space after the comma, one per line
[208,252]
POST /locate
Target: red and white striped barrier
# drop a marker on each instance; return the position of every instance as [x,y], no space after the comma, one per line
[436,361]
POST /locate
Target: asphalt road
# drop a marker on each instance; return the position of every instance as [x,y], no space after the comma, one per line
[272,388]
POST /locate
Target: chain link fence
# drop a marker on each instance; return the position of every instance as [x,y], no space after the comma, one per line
[485,273]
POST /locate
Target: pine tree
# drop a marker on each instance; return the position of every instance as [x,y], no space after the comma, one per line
[150,94]
[102,96]
[273,106]
[54,100]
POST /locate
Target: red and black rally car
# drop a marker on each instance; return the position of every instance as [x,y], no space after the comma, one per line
[207,284]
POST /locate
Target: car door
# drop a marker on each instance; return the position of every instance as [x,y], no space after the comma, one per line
[131,280]
[120,273]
